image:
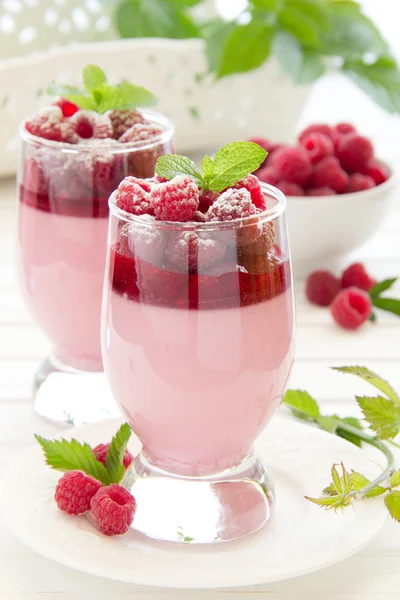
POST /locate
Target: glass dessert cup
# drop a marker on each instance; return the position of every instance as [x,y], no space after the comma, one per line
[62,237]
[198,357]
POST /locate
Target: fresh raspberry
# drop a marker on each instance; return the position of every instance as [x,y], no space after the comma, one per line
[193,252]
[329,173]
[122,120]
[34,176]
[232,204]
[358,182]
[322,287]
[131,197]
[268,175]
[89,124]
[321,191]
[140,132]
[356,276]
[68,108]
[260,247]
[318,146]
[113,509]
[251,183]
[175,200]
[344,128]
[351,308]
[94,168]
[199,217]
[146,241]
[290,189]
[378,171]
[354,152]
[207,197]
[100,452]
[74,491]
[291,164]
[317,128]
[49,123]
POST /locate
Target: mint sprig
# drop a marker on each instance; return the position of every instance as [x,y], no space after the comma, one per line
[229,165]
[115,454]
[100,96]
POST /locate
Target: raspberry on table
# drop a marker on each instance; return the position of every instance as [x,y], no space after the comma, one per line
[131,197]
[351,308]
[378,171]
[232,204]
[140,132]
[89,124]
[175,200]
[49,123]
[318,146]
[192,251]
[322,287]
[292,164]
[68,108]
[344,128]
[329,173]
[317,128]
[122,120]
[251,183]
[206,198]
[290,189]
[321,191]
[356,276]
[74,491]
[100,452]
[358,182]
[354,152]
[113,509]
[268,175]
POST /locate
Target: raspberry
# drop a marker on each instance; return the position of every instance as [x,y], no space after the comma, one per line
[207,197]
[147,243]
[192,252]
[358,182]
[131,197]
[100,452]
[344,128]
[290,189]
[378,171]
[356,276]
[268,175]
[232,204]
[351,308]
[68,108]
[251,183]
[122,120]
[260,247]
[318,146]
[328,173]
[74,492]
[354,152]
[317,128]
[140,132]
[322,287]
[321,191]
[291,164]
[89,124]
[94,168]
[199,217]
[175,200]
[113,509]
[49,123]
[34,177]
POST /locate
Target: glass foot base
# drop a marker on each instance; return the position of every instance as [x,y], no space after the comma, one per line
[205,510]
[70,396]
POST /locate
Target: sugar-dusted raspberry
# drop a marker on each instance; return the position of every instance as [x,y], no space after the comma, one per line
[122,120]
[74,492]
[131,197]
[206,198]
[232,204]
[291,164]
[68,108]
[113,509]
[356,276]
[49,123]
[354,152]
[351,308]
[175,200]
[192,251]
[146,241]
[358,182]
[89,124]
[268,175]
[318,146]
[100,452]
[322,287]
[317,128]
[140,132]
[199,217]
[321,191]
[94,168]
[378,171]
[251,183]
[290,189]
[329,173]
[34,177]
[344,128]
[260,247]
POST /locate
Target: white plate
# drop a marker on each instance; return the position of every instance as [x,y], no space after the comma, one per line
[299,539]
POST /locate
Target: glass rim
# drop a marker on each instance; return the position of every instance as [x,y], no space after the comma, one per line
[152,115]
[267,215]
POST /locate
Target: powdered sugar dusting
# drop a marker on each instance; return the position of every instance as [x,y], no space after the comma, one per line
[232,204]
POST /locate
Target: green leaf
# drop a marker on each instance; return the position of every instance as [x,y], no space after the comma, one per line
[58,89]
[392,502]
[338,484]
[303,402]
[304,66]
[215,35]
[171,165]
[329,424]
[382,286]
[299,25]
[359,482]
[233,162]
[93,77]
[116,451]
[130,96]
[207,167]
[346,435]
[270,5]
[68,455]
[395,479]
[332,502]
[372,317]
[382,415]
[315,11]
[380,80]
[245,48]
[389,304]
[372,378]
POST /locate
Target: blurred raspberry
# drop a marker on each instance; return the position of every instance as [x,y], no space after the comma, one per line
[378,171]
[140,132]
[74,491]
[146,241]
[175,200]
[232,204]
[317,128]
[318,146]
[290,189]
[89,124]
[132,198]
[329,173]
[321,191]
[344,128]
[94,168]
[291,164]
[122,120]
[354,152]
[356,276]
[351,308]
[322,287]
[68,108]
[358,182]
[113,509]
[268,175]
[49,123]
[34,177]
[194,252]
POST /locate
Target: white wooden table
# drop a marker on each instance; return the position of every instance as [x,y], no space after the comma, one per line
[372,574]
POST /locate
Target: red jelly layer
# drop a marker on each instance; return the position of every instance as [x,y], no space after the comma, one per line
[95,207]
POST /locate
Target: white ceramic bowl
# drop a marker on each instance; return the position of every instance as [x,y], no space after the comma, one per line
[323,230]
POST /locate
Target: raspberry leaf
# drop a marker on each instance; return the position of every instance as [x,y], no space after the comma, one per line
[233,162]
[93,77]
[302,404]
[171,165]
[359,482]
[382,286]
[382,415]
[346,435]
[395,479]
[69,455]
[372,378]
[392,502]
[115,454]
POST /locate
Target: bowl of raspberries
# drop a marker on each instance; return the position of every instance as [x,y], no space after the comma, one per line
[338,192]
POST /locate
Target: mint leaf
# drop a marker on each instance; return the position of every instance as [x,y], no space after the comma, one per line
[233,162]
[171,165]
[207,166]
[245,48]
[389,304]
[301,402]
[359,482]
[382,415]
[131,96]
[395,479]
[93,77]
[380,80]
[382,286]
[68,455]
[115,454]
[372,378]
[392,502]
[58,89]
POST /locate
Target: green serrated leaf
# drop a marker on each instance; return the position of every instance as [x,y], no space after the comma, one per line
[131,96]
[67,455]
[93,77]
[395,478]
[233,162]
[373,379]
[246,47]
[382,286]
[116,451]
[380,80]
[392,502]
[332,502]
[346,481]
[382,415]
[207,167]
[337,480]
[303,402]
[171,165]
[389,304]
[359,482]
